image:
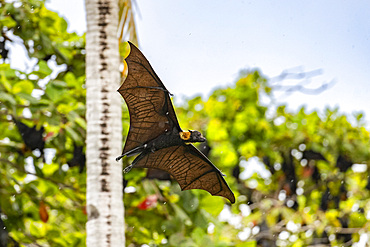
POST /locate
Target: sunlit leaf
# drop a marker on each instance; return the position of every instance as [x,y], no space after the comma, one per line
[7,98]
[24,86]
[212,204]
[44,68]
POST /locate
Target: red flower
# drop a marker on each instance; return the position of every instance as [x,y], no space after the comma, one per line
[149,202]
[48,135]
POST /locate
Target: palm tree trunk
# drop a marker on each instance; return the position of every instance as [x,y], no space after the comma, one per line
[105,225]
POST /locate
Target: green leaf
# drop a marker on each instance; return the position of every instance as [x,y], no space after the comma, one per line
[29,97]
[70,79]
[42,103]
[179,240]
[50,191]
[24,86]
[4,80]
[44,68]
[212,204]
[7,21]
[81,122]
[73,134]
[38,171]
[58,83]
[7,98]
[248,149]
[35,230]
[176,239]
[252,243]
[49,169]
[201,219]
[181,213]
[53,92]
[64,109]
[200,237]
[191,202]
[357,220]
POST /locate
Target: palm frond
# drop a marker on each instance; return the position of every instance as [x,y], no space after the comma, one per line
[127,25]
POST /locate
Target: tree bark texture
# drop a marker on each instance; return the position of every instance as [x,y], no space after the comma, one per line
[105,225]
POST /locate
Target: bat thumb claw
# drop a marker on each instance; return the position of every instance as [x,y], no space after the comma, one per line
[119,157]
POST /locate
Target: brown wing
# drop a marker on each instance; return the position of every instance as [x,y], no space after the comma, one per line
[148,101]
[189,167]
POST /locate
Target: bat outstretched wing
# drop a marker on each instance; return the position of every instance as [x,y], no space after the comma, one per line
[148,100]
[189,167]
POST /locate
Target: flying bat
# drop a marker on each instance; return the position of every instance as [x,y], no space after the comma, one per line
[155,134]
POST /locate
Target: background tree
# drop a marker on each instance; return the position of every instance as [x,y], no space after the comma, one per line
[41,201]
[105,225]
[307,189]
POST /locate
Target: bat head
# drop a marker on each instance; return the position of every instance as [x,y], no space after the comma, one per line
[192,136]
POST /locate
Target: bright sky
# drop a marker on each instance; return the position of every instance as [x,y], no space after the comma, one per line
[196,46]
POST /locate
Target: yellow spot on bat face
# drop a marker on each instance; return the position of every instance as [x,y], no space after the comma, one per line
[185,135]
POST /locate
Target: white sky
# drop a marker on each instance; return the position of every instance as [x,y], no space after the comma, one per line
[196,46]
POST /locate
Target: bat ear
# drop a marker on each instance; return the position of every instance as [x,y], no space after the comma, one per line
[190,131]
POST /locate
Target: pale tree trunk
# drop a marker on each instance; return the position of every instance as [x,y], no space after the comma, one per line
[105,225]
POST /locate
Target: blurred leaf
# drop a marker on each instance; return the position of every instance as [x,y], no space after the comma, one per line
[182,215]
[7,98]
[7,21]
[191,202]
[29,98]
[247,244]
[44,69]
[212,204]
[200,237]
[23,86]
[357,220]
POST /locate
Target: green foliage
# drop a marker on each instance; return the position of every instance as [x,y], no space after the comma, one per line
[305,191]
[42,201]
[307,156]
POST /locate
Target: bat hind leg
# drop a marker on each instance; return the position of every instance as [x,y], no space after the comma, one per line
[142,155]
[127,169]
[133,152]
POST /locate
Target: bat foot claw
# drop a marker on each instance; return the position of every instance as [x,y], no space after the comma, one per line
[127,169]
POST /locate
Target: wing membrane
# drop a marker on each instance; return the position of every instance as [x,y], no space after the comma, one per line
[189,167]
[148,101]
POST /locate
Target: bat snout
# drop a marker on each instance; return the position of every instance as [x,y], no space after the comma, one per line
[202,139]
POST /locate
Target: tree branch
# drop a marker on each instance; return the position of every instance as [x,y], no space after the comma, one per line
[302,89]
[304,78]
